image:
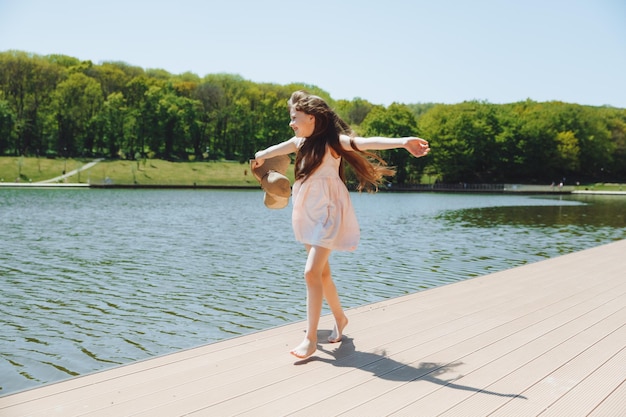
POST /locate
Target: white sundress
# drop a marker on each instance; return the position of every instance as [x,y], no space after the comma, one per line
[323,214]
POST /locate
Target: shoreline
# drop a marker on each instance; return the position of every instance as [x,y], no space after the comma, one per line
[517,189]
[129,186]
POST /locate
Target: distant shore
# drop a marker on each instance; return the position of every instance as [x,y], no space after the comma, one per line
[30,172]
[469,188]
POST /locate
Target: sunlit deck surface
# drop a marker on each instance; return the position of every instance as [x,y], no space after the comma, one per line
[544,339]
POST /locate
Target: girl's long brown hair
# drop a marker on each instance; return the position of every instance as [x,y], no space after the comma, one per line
[368,167]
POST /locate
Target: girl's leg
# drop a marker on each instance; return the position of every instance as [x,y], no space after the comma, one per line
[316,261]
[332,298]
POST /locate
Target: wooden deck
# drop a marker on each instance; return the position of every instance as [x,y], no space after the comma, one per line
[544,339]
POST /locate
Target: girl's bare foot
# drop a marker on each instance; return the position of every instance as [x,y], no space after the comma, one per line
[337,332]
[304,349]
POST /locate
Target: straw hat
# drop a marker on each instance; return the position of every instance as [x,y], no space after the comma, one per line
[271,176]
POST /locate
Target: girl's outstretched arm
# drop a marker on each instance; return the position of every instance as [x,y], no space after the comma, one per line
[416,146]
[283,148]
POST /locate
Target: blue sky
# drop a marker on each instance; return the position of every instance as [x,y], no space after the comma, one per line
[408,51]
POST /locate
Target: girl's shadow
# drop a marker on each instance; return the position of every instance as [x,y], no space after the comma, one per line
[381,366]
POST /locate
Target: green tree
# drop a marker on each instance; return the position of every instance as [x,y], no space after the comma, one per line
[419,109]
[27,82]
[76,104]
[7,124]
[209,95]
[177,121]
[115,135]
[272,117]
[395,121]
[533,143]
[58,104]
[471,141]
[113,77]
[616,124]
[63,61]
[148,122]
[450,153]
[227,123]
[142,95]
[594,139]
[568,151]
[354,111]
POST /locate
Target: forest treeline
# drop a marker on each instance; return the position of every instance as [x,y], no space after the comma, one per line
[58,106]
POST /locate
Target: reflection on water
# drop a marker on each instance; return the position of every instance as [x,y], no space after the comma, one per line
[90,279]
[604,213]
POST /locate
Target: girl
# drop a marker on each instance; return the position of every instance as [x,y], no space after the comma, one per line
[323,218]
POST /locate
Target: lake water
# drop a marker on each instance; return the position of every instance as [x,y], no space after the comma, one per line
[91,279]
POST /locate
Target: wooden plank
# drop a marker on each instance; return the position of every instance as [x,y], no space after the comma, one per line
[591,389]
[584,295]
[466,360]
[285,389]
[393,315]
[464,349]
[614,404]
[526,379]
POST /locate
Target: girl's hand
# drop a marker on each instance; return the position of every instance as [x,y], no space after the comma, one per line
[417,147]
[257,162]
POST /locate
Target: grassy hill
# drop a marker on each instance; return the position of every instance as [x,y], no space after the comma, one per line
[148,172]
[155,172]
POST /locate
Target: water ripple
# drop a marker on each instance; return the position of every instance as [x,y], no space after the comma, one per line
[92,279]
